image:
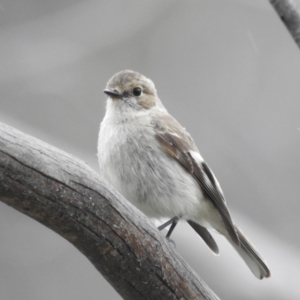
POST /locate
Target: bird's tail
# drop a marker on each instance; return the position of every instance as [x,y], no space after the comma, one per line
[250,256]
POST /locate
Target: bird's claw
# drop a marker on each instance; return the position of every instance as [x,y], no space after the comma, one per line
[171,241]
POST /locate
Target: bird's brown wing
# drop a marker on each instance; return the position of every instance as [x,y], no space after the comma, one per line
[177,143]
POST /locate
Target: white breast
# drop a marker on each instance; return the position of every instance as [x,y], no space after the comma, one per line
[136,165]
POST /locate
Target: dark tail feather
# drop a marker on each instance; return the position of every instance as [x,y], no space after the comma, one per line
[205,235]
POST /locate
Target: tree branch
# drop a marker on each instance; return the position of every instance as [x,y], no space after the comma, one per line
[66,195]
[289,14]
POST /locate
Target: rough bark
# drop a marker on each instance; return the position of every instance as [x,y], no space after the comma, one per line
[66,195]
[289,14]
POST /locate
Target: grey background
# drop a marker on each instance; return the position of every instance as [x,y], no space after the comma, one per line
[227,70]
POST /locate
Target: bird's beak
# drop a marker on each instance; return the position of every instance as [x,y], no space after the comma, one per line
[113,93]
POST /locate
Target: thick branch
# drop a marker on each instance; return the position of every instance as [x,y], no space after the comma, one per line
[289,14]
[66,195]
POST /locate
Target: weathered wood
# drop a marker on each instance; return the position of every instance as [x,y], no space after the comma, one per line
[66,195]
[290,16]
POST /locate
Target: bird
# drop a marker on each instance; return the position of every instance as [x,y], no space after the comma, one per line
[155,164]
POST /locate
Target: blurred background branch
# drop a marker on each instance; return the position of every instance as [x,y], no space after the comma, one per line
[290,16]
[67,196]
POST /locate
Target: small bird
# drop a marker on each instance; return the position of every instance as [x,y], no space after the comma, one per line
[155,164]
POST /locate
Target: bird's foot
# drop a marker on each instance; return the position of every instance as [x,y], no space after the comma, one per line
[171,241]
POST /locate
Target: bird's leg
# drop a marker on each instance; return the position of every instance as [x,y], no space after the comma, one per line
[172,221]
[172,228]
[163,226]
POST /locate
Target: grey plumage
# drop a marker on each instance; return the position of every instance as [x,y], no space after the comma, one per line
[151,159]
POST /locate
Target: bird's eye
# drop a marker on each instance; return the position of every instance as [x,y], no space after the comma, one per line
[137,91]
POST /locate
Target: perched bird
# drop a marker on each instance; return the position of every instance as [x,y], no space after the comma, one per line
[154,163]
